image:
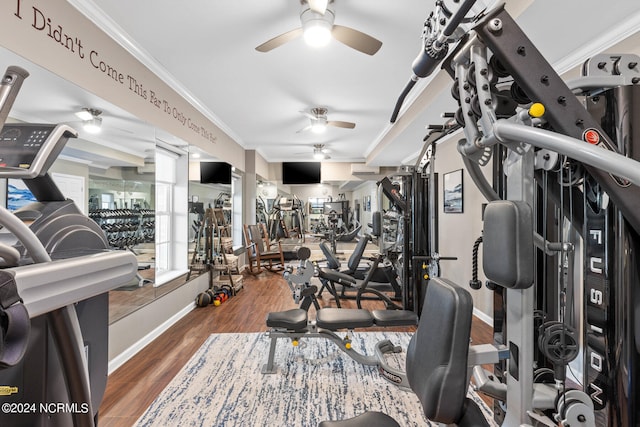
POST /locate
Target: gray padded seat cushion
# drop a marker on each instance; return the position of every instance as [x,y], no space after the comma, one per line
[368,419]
[394,317]
[343,318]
[336,276]
[294,319]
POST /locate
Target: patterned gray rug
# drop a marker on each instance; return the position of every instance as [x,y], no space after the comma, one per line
[222,385]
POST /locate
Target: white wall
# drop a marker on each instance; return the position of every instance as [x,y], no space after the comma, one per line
[367,188]
[303,192]
[207,193]
[457,232]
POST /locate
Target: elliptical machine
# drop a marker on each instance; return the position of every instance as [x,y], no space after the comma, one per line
[56,275]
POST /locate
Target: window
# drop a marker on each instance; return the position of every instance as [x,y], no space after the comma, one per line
[236,191]
[170,216]
[165,179]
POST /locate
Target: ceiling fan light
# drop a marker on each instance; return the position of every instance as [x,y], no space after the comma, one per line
[316,27]
[84,114]
[317,33]
[93,125]
[318,127]
[319,155]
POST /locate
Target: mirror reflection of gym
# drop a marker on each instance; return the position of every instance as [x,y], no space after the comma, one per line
[97,162]
[214,200]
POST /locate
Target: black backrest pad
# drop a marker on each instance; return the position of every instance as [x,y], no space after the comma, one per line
[507,256]
[376,223]
[332,261]
[437,353]
[356,256]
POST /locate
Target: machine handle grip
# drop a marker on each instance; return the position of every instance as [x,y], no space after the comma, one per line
[9,88]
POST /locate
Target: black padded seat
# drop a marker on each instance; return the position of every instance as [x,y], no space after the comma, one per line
[437,360]
[332,261]
[343,318]
[294,319]
[437,353]
[354,260]
[336,276]
[394,317]
[368,419]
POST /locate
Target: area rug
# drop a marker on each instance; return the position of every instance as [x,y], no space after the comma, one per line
[222,385]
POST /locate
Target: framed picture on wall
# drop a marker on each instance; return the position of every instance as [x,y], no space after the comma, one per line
[367,203]
[453,192]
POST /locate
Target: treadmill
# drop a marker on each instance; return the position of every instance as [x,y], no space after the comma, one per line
[55,273]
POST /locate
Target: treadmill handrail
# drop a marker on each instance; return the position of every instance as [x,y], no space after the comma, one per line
[45,287]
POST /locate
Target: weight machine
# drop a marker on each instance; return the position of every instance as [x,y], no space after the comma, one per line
[416,257]
[424,263]
[564,154]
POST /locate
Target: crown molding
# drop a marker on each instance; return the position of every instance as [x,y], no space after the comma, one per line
[597,45]
[105,23]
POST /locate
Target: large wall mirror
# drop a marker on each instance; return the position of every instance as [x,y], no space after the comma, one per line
[215,213]
[111,175]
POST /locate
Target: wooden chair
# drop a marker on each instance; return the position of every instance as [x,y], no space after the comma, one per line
[261,251]
[222,226]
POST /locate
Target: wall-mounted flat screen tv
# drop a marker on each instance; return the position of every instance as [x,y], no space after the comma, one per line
[300,173]
[215,173]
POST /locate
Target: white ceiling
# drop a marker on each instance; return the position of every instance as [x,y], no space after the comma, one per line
[208,49]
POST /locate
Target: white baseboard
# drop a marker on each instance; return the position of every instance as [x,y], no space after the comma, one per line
[483,316]
[123,357]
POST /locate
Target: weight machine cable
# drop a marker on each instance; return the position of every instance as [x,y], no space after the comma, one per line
[545,183]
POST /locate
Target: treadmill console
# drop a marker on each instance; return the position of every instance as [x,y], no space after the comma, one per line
[28,150]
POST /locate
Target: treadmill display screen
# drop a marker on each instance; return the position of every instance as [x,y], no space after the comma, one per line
[20,145]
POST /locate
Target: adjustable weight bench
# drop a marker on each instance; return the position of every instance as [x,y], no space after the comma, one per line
[295,325]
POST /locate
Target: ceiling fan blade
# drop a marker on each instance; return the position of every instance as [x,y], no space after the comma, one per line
[304,129]
[309,115]
[356,39]
[339,124]
[319,6]
[278,41]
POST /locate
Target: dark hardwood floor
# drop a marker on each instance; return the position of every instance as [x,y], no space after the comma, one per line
[132,388]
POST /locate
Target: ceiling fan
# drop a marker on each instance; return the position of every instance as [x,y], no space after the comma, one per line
[319,122]
[320,152]
[317,27]
[91,120]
